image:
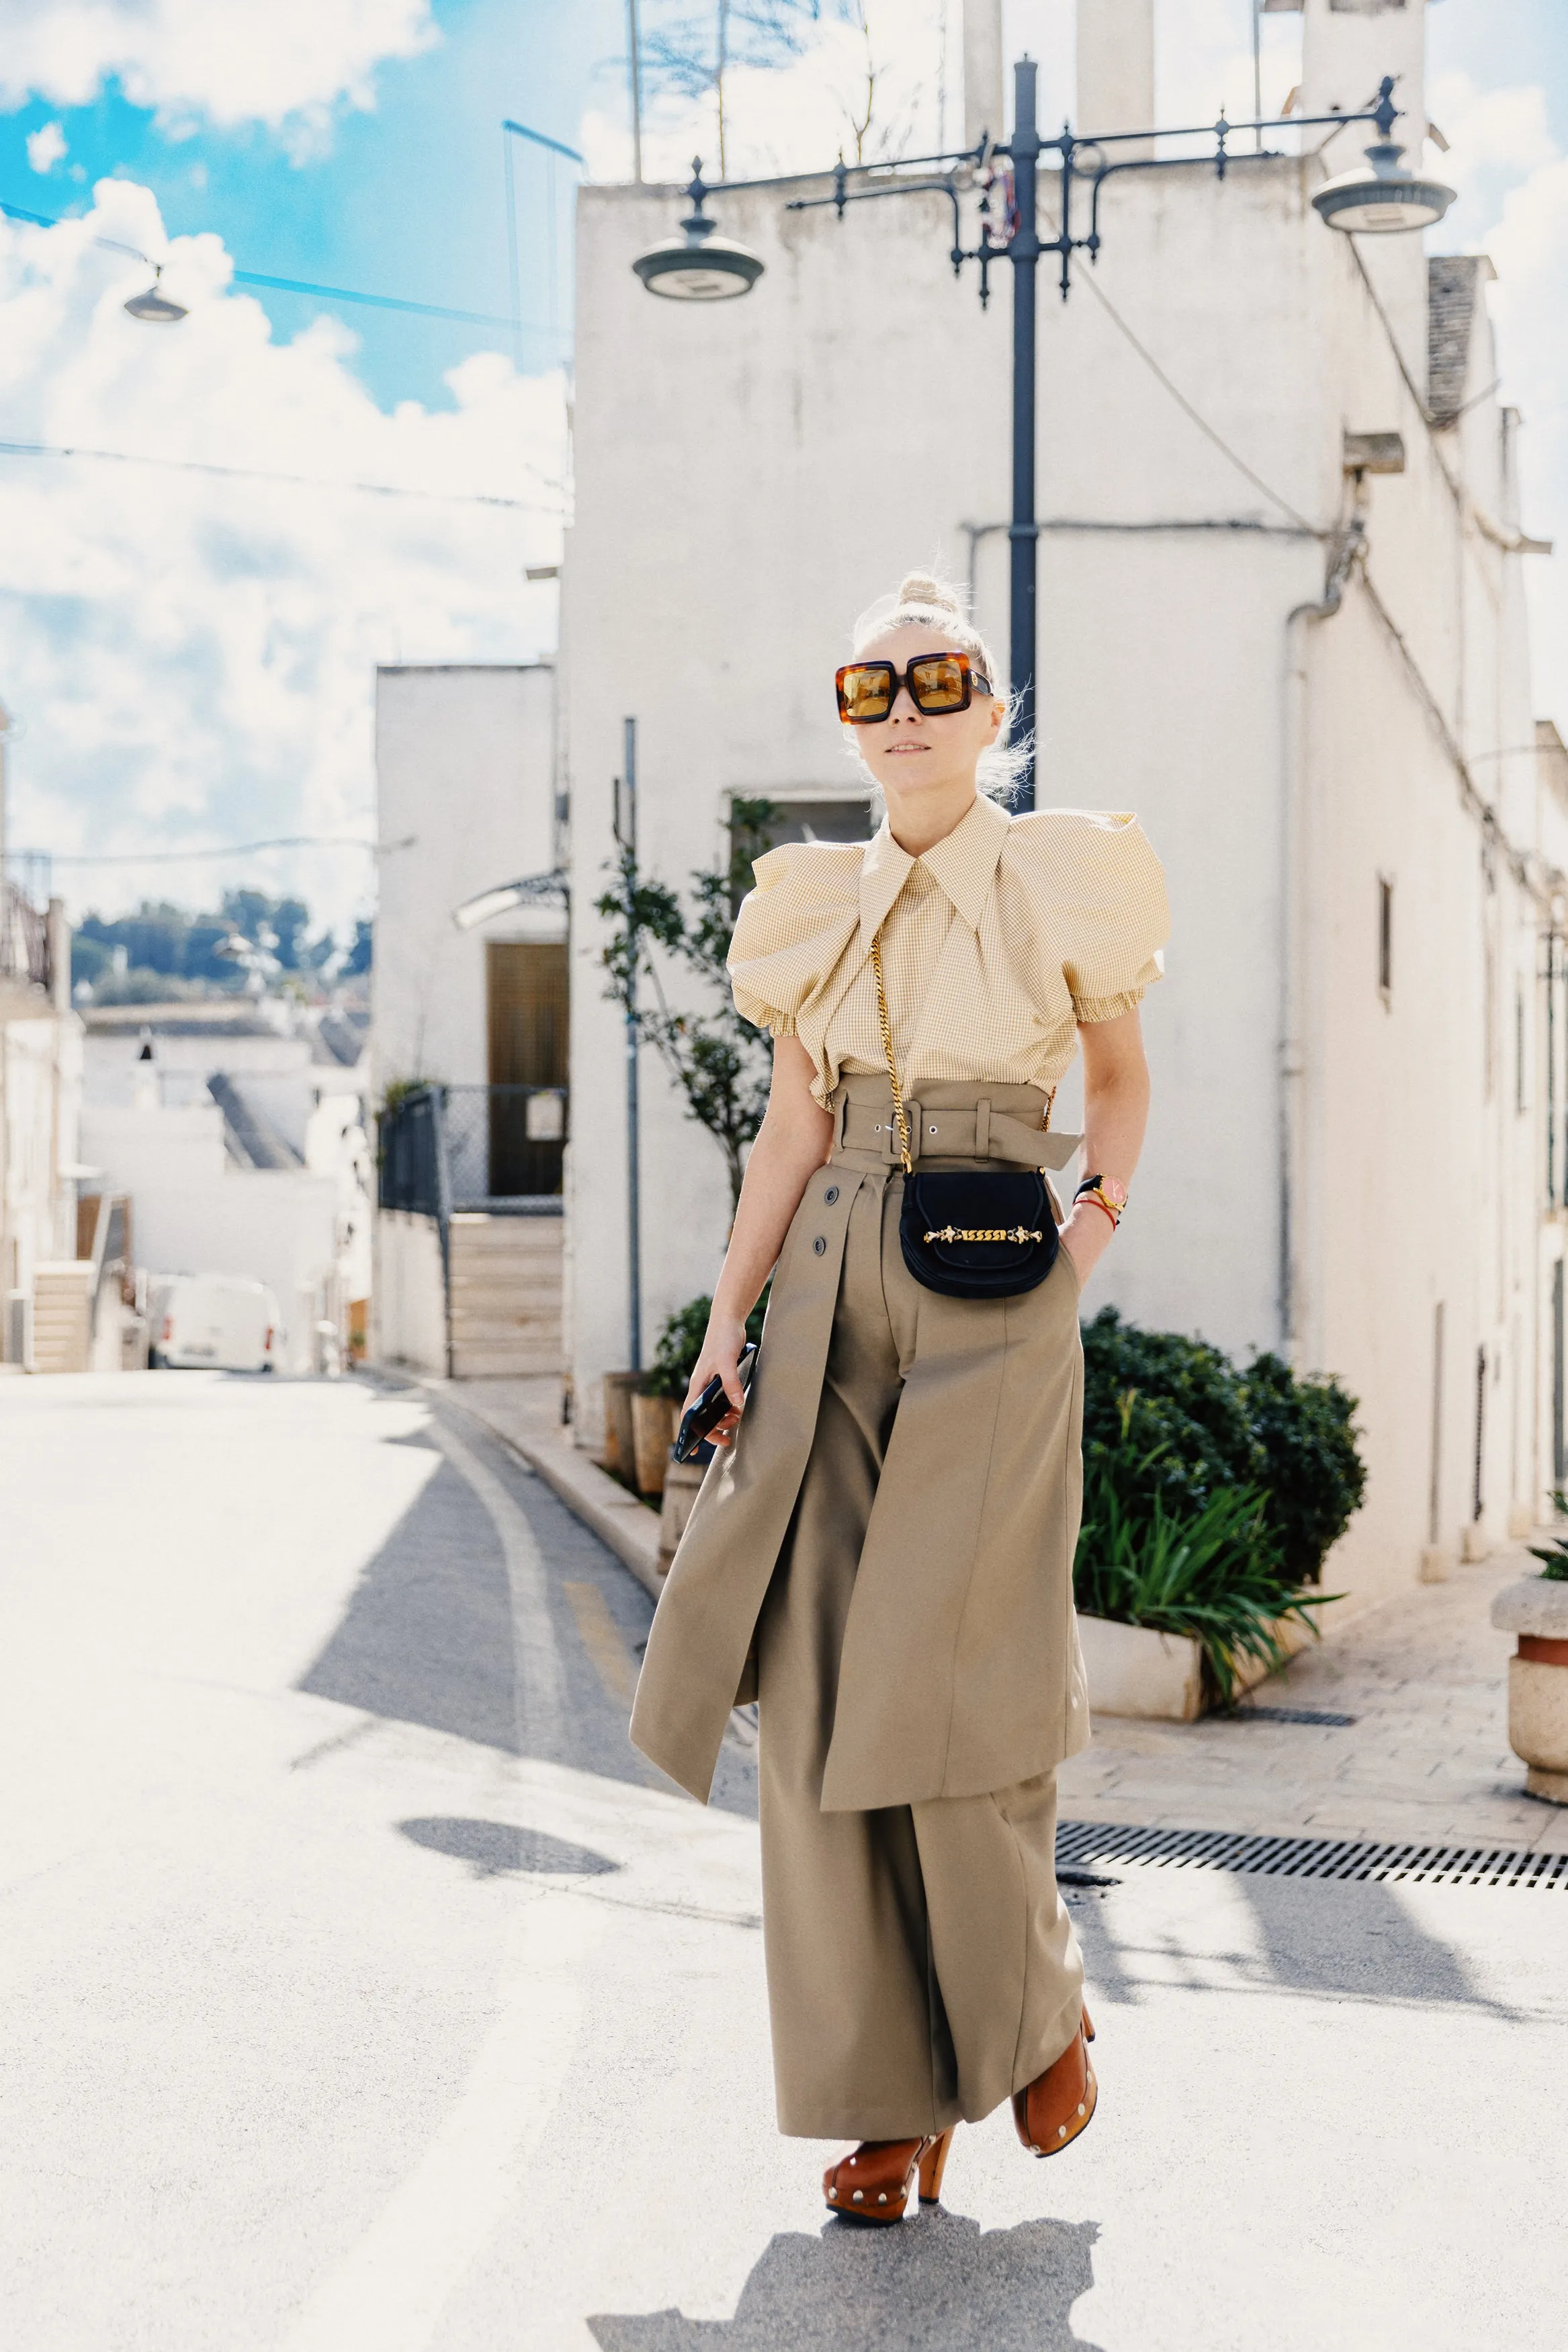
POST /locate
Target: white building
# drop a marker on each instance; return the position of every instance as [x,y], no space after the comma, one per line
[469,1260]
[1308,676]
[40,1099]
[236,1129]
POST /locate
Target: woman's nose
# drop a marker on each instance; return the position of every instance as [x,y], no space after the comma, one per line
[904,705]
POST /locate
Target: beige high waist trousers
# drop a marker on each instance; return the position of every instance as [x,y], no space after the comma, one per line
[921,1965]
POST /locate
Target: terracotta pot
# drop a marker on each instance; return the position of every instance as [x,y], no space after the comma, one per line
[681,1480]
[652,1434]
[620,1456]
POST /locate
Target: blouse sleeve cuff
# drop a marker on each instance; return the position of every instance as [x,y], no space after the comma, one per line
[1086,1010]
[761,1015]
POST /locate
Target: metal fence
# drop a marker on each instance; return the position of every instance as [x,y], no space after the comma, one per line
[501,1149]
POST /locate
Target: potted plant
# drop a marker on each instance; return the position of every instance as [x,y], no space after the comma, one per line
[1536,1611]
[1211,1495]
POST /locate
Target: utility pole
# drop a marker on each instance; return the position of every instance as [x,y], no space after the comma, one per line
[626,834]
[1023,534]
[635,60]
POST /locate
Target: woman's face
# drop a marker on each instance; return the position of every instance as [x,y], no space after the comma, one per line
[910,755]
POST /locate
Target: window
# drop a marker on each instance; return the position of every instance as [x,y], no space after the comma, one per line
[1386,938]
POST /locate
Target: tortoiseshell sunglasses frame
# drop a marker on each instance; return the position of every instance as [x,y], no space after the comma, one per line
[972,678]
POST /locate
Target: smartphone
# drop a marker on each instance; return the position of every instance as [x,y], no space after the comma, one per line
[709,1409]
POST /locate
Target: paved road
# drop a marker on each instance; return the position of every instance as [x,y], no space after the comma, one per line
[365,1993]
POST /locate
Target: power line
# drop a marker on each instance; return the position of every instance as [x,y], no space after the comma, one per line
[1184,404]
[222,850]
[301,285]
[259,474]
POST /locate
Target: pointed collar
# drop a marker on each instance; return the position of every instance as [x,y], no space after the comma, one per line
[964,864]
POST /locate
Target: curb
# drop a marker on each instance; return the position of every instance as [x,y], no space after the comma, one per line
[628,1528]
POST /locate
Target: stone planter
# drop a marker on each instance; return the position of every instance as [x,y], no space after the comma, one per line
[681,1480]
[652,1434]
[1159,1677]
[1536,1609]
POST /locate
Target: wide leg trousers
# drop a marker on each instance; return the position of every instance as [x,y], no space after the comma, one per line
[921,1964]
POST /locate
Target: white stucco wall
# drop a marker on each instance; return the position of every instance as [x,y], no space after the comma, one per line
[410,1294]
[750,476]
[465,794]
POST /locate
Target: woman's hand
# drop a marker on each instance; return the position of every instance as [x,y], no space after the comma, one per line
[722,1344]
[1086,1236]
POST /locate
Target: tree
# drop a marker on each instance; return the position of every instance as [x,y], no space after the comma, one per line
[721,1064]
[688,57]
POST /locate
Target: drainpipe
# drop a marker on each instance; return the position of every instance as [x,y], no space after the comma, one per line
[1296,834]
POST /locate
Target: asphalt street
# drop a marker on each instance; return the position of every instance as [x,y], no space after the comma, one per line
[365,1993]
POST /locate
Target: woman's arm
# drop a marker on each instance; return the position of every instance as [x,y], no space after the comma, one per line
[1115,1113]
[792,1144]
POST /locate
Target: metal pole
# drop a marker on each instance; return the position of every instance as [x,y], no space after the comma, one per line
[1024,252]
[1258,72]
[633,1203]
[635,47]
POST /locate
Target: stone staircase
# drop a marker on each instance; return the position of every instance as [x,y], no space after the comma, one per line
[505,1295]
[62,1315]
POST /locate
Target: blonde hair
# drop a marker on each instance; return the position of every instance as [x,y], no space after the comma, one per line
[925,602]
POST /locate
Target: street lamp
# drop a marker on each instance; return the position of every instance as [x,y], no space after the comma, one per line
[699,267]
[1384,199]
[154,307]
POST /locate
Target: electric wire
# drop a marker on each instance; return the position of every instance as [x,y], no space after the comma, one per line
[220,849]
[300,285]
[1195,415]
[260,474]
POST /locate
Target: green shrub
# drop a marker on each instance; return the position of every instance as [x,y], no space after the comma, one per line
[680,1345]
[1197,1423]
[1210,1570]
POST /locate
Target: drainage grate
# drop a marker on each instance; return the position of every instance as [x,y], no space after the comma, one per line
[1079,1845]
[1245,1714]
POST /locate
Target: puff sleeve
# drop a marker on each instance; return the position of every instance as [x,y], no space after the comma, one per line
[792,930]
[1106,891]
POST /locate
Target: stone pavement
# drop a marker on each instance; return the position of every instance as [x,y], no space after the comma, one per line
[1424,1675]
[1426,1758]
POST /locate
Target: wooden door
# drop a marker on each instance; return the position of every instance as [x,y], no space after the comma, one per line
[527,1008]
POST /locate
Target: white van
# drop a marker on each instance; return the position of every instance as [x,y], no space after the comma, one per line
[220,1321]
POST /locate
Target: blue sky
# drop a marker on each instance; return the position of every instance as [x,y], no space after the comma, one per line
[407,199]
[191,658]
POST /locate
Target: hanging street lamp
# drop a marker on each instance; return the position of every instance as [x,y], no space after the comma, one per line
[699,267]
[154,307]
[1383,201]
[1380,200]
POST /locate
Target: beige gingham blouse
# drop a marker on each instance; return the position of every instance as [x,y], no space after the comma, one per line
[995,944]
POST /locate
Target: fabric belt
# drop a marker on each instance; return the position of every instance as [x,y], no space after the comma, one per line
[975,1133]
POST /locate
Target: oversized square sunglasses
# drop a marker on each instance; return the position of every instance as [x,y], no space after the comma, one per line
[938,683]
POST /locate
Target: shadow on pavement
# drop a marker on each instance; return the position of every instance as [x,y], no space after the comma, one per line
[427,1635]
[938,2282]
[1356,1939]
[493,1849]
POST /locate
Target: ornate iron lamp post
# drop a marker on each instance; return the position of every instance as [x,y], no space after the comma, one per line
[1379,201]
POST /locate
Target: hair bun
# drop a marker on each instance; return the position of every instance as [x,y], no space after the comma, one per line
[920,588]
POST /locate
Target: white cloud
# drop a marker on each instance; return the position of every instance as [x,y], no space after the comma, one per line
[192,658]
[228,61]
[45,147]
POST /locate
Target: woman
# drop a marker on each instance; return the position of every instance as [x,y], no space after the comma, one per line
[883,1555]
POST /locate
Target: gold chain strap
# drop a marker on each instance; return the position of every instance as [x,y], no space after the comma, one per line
[886,1026]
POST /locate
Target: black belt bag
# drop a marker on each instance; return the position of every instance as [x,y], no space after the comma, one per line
[969,1233]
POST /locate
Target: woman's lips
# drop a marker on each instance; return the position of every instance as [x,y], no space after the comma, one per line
[897,750]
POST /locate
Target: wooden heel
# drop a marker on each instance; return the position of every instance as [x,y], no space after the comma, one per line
[932,2164]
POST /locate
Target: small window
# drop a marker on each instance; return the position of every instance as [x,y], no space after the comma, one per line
[1386,938]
